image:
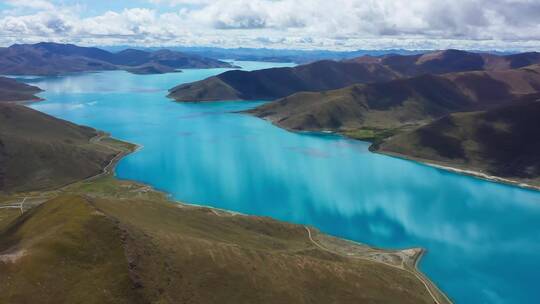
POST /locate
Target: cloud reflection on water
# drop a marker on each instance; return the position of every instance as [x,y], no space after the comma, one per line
[481,236]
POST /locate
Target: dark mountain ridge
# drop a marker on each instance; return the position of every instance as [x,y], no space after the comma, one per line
[54,59]
[278,82]
[401,102]
[328,75]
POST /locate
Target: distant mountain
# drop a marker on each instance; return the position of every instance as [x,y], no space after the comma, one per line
[39,151]
[327,75]
[395,104]
[450,61]
[273,55]
[12,90]
[152,68]
[55,59]
[279,82]
[501,141]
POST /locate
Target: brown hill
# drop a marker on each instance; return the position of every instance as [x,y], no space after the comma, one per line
[38,151]
[12,90]
[328,75]
[398,103]
[111,243]
[279,82]
[450,61]
[502,142]
[55,59]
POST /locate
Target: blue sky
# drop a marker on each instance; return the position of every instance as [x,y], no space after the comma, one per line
[97,7]
[297,24]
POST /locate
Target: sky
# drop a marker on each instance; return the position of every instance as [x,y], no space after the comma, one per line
[292,24]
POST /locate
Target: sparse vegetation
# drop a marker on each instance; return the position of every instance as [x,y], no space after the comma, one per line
[110,241]
[370,134]
[41,152]
[397,103]
[499,142]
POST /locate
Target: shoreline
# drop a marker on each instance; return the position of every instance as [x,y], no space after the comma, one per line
[431,287]
[464,172]
[109,170]
[428,281]
[446,167]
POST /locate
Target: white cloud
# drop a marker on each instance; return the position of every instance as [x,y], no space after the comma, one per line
[343,24]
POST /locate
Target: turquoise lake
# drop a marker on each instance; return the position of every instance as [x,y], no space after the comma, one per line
[483,238]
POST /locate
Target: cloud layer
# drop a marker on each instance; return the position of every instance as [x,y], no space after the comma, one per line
[337,24]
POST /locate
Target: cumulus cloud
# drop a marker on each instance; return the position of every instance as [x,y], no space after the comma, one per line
[337,24]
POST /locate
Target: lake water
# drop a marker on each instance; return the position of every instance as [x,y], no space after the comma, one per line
[483,239]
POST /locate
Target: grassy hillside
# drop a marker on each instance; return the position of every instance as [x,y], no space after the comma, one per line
[390,106]
[38,151]
[502,142]
[280,82]
[12,90]
[108,241]
[64,252]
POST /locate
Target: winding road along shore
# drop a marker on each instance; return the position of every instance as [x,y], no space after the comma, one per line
[438,296]
[109,170]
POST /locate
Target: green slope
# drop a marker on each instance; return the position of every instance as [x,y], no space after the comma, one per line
[64,251]
[38,151]
[115,242]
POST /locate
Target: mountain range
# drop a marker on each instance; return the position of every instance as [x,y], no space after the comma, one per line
[401,102]
[277,82]
[449,61]
[327,75]
[56,59]
[273,55]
